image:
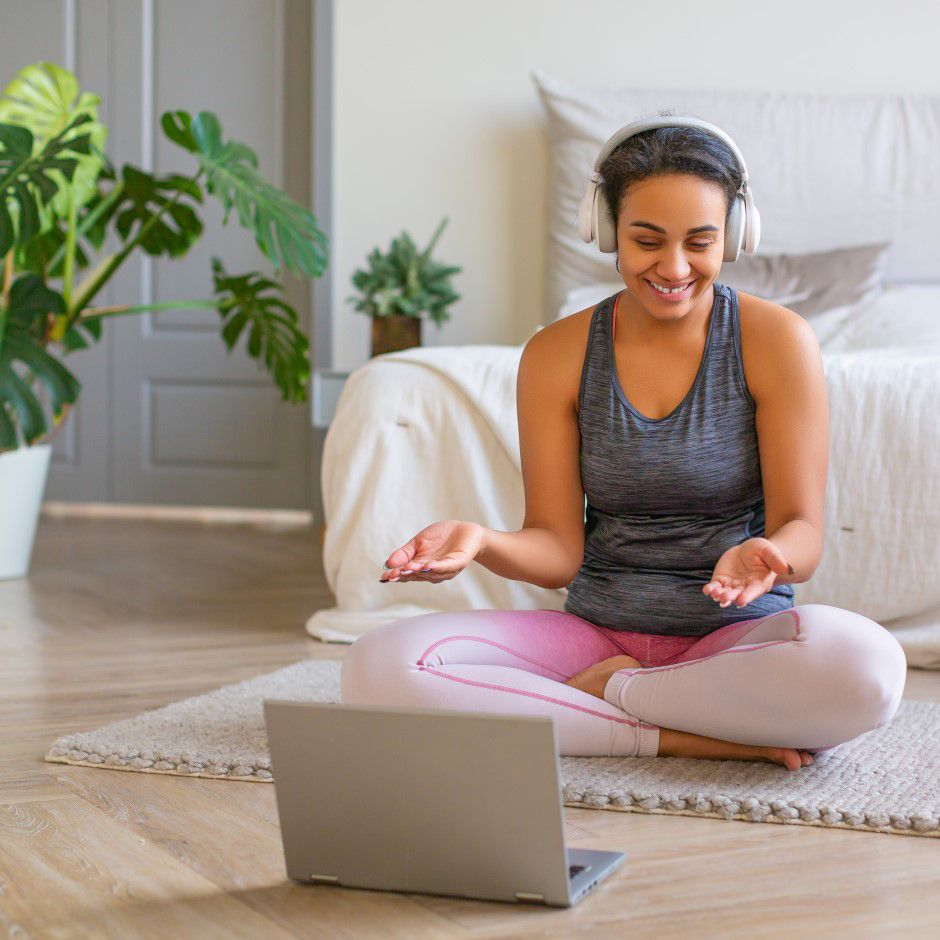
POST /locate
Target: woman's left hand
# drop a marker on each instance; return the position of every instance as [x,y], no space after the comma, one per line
[746,571]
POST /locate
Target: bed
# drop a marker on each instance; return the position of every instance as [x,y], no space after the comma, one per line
[849,240]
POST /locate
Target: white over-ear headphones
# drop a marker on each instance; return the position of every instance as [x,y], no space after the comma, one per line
[595,220]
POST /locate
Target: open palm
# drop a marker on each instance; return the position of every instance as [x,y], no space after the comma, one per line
[437,553]
[746,571]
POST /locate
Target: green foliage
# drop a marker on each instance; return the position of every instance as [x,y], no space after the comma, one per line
[24,362]
[404,281]
[32,182]
[44,98]
[146,204]
[284,230]
[61,198]
[273,334]
[45,253]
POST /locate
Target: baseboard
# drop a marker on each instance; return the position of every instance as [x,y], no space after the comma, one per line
[207,514]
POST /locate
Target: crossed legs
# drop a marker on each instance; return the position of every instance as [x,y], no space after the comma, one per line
[809,677]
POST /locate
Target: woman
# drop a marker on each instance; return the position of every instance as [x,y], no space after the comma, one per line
[695,420]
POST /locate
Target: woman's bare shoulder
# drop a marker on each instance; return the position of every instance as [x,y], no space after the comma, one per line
[564,330]
[762,318]
[764,326]
[557,351]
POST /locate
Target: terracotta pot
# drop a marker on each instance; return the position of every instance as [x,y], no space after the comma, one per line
[391,333]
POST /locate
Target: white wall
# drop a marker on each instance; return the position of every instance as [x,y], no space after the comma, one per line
[435,114]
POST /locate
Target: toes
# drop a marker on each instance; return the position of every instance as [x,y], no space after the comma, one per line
[790,758]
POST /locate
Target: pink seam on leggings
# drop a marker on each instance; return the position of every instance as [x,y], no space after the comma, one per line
[544,698]
[480,639]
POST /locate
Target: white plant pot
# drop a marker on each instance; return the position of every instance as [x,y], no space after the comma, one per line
[23,475]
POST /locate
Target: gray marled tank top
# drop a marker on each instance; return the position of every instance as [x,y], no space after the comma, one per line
[666,498]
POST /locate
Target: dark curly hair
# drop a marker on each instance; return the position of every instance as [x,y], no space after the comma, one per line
[663,150]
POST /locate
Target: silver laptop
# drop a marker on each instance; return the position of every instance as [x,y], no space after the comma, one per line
[428,801]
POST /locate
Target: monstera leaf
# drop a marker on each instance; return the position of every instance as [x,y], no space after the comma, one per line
[45,253]
[31,182]
[24,363]
[284,230]
[145,198]
[274,336]
[44,98]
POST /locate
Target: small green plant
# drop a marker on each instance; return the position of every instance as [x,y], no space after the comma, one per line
[402,281]
[60,198]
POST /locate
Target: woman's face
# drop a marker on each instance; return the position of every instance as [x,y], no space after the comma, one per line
[680,241]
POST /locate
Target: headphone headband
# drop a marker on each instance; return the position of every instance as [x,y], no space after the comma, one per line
[679,121]
[595,220]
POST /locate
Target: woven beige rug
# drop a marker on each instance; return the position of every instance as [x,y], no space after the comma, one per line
[887,780]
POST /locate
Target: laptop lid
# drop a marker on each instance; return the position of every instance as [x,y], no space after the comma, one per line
[431,801]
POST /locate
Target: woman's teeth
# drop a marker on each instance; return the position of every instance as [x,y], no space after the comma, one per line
[670,290]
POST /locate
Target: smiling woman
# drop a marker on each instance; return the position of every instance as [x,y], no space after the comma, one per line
[666,272]
[691,178]
[704,472]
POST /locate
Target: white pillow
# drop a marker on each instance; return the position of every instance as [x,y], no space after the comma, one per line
[826,171]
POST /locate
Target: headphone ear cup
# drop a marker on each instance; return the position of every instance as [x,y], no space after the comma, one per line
[586,214]
[752,228]
[734,230]
[604,224]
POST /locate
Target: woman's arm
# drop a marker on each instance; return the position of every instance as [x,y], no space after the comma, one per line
[801,543]
[549,547]
[538,556]
[792,421]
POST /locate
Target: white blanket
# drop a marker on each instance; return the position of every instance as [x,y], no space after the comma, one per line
[430,433]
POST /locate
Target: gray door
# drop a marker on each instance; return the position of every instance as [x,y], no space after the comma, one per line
[167,415]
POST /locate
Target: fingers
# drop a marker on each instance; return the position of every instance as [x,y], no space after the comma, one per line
[718,588]
[434,576]
[725,594]
[401,555]
[741,595]
[429,577]
[396,573]
[420,569]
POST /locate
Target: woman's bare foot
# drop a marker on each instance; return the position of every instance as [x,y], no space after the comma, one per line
[685,744]
[593,680]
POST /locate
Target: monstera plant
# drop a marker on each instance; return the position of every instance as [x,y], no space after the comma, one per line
[69,219]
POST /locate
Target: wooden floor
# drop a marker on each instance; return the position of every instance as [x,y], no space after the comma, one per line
[121,616]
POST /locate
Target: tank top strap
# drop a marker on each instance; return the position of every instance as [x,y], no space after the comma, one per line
[725,363]
[596,349]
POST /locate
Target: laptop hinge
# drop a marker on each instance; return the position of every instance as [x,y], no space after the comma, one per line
[325,879]
[530,896]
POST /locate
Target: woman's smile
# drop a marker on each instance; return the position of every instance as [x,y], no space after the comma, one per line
[673,297]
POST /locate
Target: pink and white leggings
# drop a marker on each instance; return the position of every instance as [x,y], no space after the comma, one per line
[810,677]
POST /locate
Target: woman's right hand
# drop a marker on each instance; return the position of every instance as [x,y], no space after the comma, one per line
[438,553]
